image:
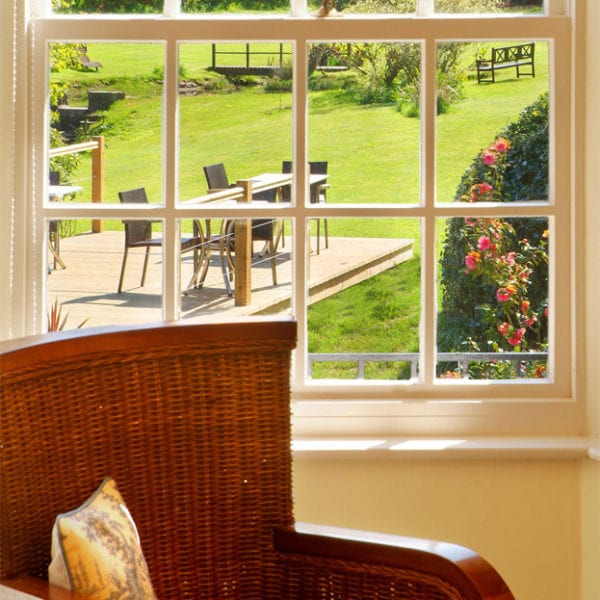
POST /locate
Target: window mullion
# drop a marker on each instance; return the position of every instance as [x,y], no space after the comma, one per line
[171,278]
[300,265]
[425,8]
[171,8]
[428,175]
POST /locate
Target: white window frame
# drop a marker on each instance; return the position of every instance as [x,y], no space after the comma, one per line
[355,408]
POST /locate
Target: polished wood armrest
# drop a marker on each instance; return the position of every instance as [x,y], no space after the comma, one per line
[459,566]
[25,587]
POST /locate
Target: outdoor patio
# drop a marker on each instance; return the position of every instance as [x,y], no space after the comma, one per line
[87,288]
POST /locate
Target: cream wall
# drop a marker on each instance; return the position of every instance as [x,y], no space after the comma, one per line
[521,516]
[590,471]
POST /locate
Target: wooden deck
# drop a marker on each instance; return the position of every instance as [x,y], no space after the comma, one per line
[87,288]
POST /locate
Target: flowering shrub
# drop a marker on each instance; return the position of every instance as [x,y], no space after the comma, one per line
[516,172]
[499,260]
[496,272]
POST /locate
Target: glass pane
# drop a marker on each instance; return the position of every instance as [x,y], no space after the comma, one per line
[365,299]
[486,6]
[376,6]
[84,270]
[235,6]
[235,116]
[468,6]
[107,6]
[493,319]
[116,109]
[492,127]
[213,268]
[364,102]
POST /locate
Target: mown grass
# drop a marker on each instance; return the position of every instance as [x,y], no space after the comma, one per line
[373,153]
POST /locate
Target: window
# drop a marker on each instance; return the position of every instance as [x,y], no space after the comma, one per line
[369,352]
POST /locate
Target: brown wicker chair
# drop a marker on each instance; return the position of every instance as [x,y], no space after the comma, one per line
[193,422]
[263,230]
[318,194]
[138,234]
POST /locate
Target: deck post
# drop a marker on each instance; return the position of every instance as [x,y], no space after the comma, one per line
[243,251]
[98,179]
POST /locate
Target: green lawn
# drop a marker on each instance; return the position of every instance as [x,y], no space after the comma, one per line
[373,151]
[373,154]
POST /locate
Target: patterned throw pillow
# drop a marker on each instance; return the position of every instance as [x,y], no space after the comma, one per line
[96,549]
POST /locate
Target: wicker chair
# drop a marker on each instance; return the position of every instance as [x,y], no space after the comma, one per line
[318,194]
[138,234]
[193,422]
[263,230]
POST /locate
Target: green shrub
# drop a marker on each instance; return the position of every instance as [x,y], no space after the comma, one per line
[522,176]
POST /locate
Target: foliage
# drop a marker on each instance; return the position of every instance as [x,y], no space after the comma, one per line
[107,6]
[66,56]
[62,56]
[513,3]
[503,263]
[408,6]
[55,320]
[391,71]
[469,297]
[65,165]
[213,5]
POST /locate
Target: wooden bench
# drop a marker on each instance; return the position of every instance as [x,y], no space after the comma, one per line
[519,56]
[84,61]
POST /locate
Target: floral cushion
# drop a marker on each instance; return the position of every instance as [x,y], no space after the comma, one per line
[96,549]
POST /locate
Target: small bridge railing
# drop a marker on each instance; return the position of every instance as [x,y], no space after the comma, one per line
[247,53]
[463,360]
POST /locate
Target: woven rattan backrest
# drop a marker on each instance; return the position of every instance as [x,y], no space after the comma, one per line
[136,232]
[193,423]
[216,176]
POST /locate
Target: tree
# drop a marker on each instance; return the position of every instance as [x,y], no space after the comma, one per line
[391,72]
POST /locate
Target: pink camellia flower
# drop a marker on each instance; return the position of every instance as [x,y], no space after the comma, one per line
[510,258]
[516,337]
[502,294]
[472,260]
[530,320]
[504,328]
[480,189]
[501,145]
[488,158]
[484,243]
[524,275]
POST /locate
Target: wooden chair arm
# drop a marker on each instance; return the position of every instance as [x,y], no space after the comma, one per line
[461,568]
[26,587]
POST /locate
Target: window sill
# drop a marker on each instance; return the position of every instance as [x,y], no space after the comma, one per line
[528,448]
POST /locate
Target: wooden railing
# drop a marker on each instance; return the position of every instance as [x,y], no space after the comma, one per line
[463,360]
[247,53]
[96,146]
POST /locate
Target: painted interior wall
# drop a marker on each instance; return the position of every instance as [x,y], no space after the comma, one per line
[590,471]
[523,517]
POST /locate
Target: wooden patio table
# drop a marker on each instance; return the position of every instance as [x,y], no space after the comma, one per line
[242,192]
